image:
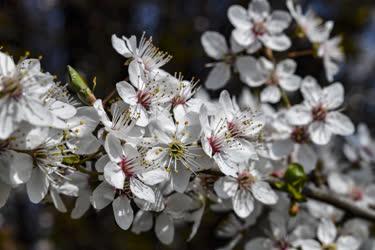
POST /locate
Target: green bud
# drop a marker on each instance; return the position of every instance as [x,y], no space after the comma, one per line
[79,85]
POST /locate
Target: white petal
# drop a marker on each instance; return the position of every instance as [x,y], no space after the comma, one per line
[243,37]
[98,105]
[218,76]
[326,231]
[259,244]
[311,91]
[278,21]
[143,221]
[180,180]
[102,196]
[308,244]
[259,9]
[63,110]
[101,162]
[35,113]
[154,176]
[164,228]
[290,83]
[348,243]
[263,192]
[119,45]
[113,147]
[320,133]
[333,96]
[7,65]
[123,212]
[281,148]
[82,204]
[299,115]
[84,145]
[214,44]
[178,203]
[270,94]
[339,124]
[276,42]
[243,203]
[238,17]
[22,166]
[226,187]
[114,175]
[339,183]
[4,193]
[225,165]
[306,156]
[141,190]
[126,92]
[250,71]
[37,186]
[286,67]
[8,121]
[57,201]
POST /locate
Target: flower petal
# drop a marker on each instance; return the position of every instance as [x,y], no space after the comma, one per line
[164,228]
[226,187]
[326,231]
[320,133]
[270,94]
[238,17]
[123,212]
[278,21]
[141,190]
[37,186]
[214,44]
[218,76]
[243,203]
[339,124]
[263,192]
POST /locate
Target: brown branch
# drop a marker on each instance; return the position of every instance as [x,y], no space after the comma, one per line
[327,197]
[339,202]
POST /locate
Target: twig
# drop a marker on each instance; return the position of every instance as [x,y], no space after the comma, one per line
[327,197]
[109,96]
[295,54]
[332,199]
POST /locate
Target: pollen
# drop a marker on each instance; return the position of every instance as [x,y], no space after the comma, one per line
[176,149]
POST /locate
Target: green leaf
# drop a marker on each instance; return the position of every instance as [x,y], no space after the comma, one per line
[79,85]
[295,174]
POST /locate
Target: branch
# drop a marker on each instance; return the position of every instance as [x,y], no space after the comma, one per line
[326,197]
[339,202]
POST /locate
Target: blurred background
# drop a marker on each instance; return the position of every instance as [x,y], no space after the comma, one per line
[78,33]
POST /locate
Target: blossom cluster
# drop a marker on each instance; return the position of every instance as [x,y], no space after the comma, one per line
[162,152]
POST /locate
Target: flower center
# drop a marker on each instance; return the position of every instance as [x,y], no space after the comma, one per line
[281,245]
[273,79]
[319,113]
[177,100]
[3,145]
[12,87]
[176,150]
[245,179]
[300,135]
[233,129]
[215,144]
[126,167]
[356,194]
[230,58]
[329,247]
[144,98]
[259,29]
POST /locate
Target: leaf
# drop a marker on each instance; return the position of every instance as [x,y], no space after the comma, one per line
[295,175]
